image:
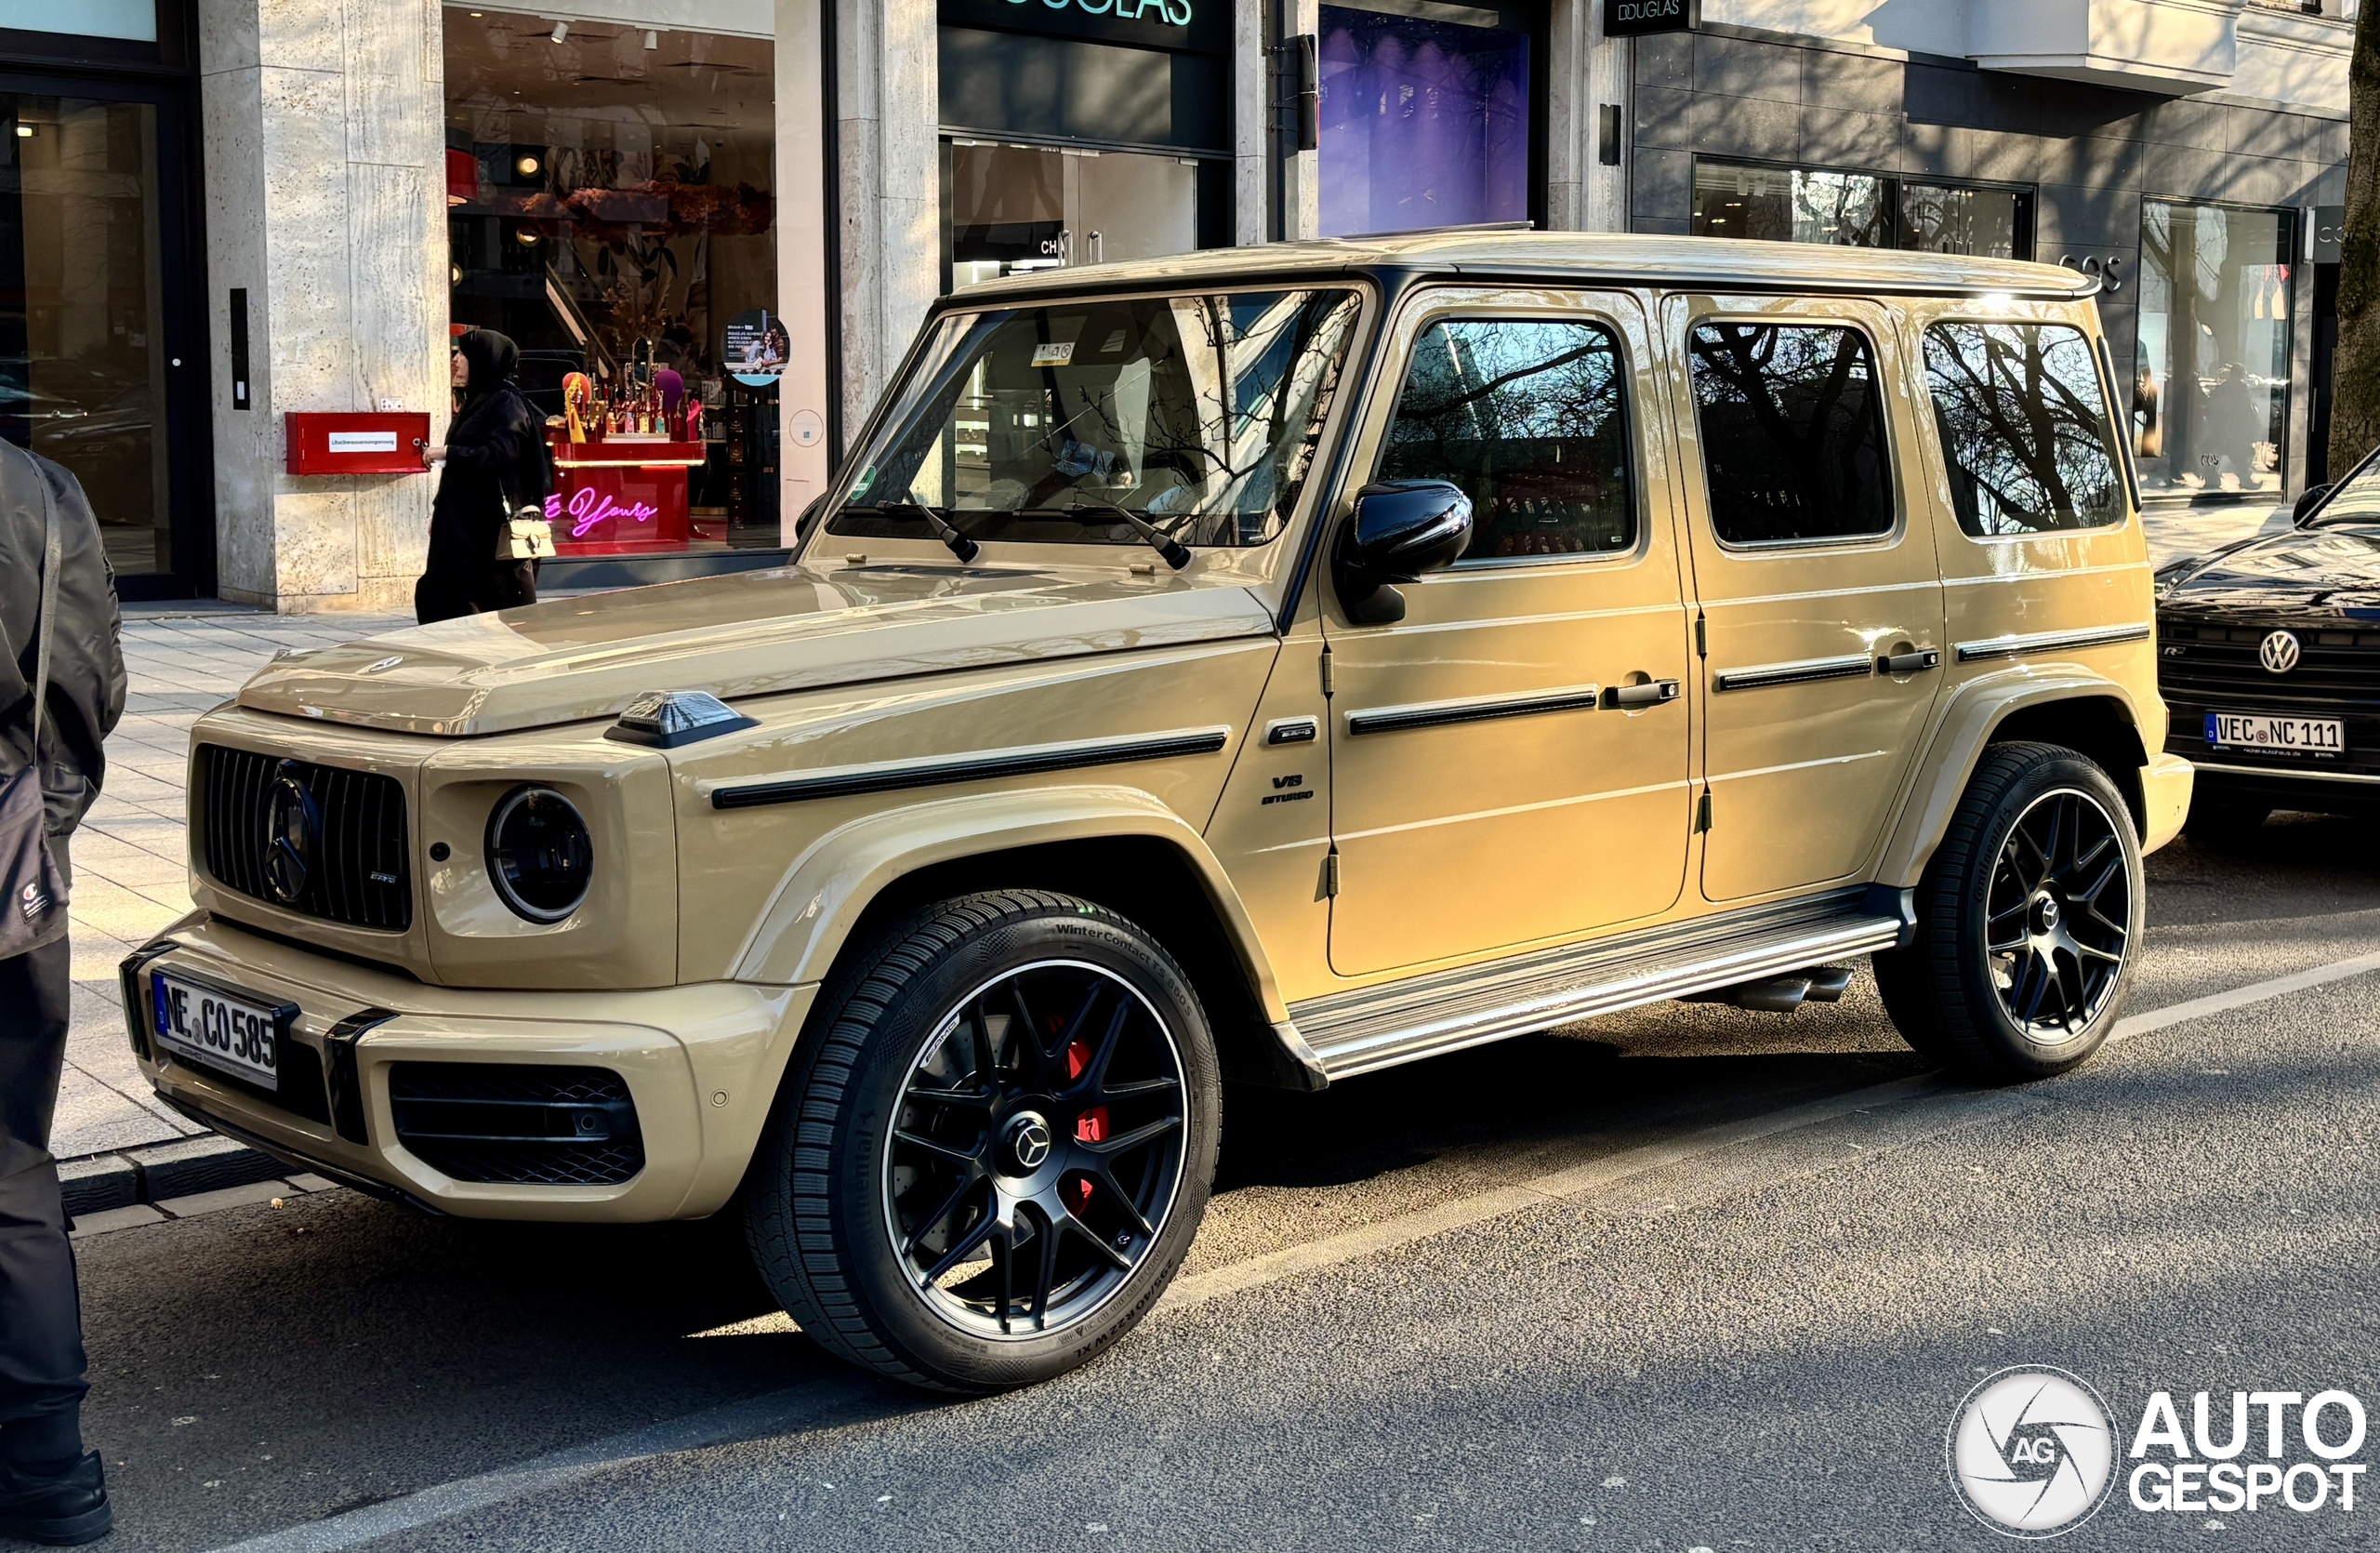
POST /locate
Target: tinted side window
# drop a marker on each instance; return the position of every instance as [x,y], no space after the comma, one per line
[2023,428]
[1528,419]
[1793,433]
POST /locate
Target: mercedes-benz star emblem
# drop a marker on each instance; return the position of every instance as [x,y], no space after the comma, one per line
[2278,653]
[292,824]
[1028,1142]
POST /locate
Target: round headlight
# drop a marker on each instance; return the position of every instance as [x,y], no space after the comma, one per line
[539,853]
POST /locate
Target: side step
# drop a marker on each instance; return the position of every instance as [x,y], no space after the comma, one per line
[1380,1027]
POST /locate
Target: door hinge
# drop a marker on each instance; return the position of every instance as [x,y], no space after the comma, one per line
[1331,873]
[1701,636]
[1329,680]
[1702,813]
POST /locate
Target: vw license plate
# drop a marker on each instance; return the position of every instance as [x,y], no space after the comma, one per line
[2295,736]
[239,1035]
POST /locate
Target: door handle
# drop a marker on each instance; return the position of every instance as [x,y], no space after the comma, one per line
[1911,662]
[1650,695]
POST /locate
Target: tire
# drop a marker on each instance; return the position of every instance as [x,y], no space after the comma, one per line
[2220,815]
[2065,916]
[920,1152]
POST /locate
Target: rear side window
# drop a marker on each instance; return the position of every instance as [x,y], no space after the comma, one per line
[1528,417]
[2023,428]
[1793,433]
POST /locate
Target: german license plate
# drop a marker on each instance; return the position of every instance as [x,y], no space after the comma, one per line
[2293,736]
[229,1031]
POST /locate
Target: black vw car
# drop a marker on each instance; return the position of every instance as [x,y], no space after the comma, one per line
[2269,663]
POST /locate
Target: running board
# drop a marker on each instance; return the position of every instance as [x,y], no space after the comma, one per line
[1380,1027]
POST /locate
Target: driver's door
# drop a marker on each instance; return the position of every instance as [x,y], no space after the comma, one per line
[1488,789]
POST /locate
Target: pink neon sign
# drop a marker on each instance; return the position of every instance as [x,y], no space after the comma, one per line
[590,507]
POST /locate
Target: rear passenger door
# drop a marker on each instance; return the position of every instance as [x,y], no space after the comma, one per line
[1815,577]
[1509,763]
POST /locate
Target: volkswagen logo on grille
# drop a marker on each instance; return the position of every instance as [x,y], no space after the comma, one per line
[293,825]
[2278,653]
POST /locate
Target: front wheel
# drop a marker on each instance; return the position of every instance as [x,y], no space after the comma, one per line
[2028,917]
[997,1148]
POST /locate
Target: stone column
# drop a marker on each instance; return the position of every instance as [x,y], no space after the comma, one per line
[1585,73]
[325,202]
[1250,113]
[888,93]
[804,277]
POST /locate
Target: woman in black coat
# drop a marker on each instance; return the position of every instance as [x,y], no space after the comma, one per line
[494,456]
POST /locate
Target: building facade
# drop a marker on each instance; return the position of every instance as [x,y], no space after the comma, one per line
[222,212]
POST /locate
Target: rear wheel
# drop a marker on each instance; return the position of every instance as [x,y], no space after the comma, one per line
[2028,916]
[992,1158]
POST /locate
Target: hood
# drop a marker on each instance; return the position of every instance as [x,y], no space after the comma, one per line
[2333,571]
[751,633]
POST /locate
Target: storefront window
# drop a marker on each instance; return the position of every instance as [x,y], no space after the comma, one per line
[82,346]
[1860,210]
[2210,405]
[619,225]
[1424,123]
[1078,134]
[1015,209]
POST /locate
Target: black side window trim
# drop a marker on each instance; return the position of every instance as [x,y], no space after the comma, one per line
[1884,539]
[1428,317]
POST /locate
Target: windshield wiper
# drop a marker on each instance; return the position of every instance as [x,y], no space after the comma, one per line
[956,542]
[1177,555]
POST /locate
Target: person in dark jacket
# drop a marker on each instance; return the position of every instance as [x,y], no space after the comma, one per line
[52,1490]
[495,455]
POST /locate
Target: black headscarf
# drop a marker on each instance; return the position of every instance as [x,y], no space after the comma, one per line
[493,359]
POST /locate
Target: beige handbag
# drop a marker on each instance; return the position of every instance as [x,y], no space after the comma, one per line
[527,534]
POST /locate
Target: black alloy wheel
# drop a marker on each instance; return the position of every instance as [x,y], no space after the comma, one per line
[2027,916]
[2059,915]
[993,1146]
[1037,1148]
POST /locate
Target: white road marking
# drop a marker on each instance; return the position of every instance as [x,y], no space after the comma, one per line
[2240,996]
[843,1398]
[796,1407]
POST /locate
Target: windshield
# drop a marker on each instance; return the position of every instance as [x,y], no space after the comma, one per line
[1197,415]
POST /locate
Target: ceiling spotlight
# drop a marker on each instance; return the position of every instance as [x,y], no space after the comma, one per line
[562,31]
[24,132]
[527,167]
[652,38]
[527,238]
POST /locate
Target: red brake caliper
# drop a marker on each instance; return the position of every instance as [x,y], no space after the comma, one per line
[1090,1126]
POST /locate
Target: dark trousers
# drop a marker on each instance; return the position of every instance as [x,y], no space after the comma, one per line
[41,1316]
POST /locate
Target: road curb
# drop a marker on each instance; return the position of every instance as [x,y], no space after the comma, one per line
[123,1178]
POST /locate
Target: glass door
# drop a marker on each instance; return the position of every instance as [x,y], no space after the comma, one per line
[87,353]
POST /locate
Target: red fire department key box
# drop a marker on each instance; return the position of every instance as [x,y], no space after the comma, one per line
[356,442]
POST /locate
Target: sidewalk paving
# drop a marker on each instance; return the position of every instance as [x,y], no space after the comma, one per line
[131,876]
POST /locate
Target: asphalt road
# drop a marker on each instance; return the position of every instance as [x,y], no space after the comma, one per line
[1647,1283]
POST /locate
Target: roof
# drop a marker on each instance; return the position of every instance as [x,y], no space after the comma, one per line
[1712,262]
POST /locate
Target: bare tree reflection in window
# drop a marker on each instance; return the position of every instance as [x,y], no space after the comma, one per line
[1792,434]
[2023,428]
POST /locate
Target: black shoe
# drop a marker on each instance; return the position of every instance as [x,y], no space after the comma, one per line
[60,1509]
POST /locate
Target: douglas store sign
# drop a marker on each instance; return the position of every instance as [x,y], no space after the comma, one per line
[1629,18]
[1171,25]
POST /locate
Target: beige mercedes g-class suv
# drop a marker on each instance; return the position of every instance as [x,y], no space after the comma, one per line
[1265,665]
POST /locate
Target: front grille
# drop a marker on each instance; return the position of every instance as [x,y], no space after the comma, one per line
[518,1124]
[356,870]
[2214,667]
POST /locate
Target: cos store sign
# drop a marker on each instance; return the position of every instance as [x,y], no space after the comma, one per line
[1630,18]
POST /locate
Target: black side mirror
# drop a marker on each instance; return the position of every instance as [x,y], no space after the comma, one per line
[1401,529]
[2310,503]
